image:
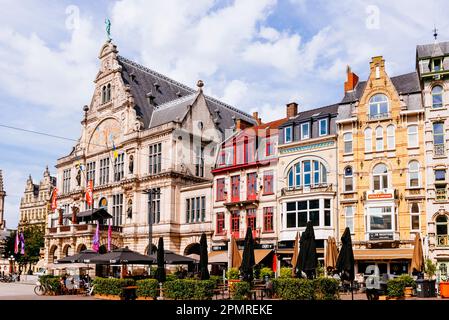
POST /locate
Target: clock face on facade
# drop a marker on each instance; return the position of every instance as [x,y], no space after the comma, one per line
[105,135]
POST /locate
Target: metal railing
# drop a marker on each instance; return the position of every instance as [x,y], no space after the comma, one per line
[439,150]
[442,241]
[378,116]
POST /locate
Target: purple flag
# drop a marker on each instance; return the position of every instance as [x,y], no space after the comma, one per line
[22,242]
[96,242]
[109,236]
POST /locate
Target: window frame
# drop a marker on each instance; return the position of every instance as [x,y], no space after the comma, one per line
[377,104]
[433,95]
[326,126]
[410,172]
[412,135]
[381,178]
[268,214]
[346,178]
[391,134]
[379,138]
[346,142]
[290,130]
[303,136]
[414,215]
[368,136]
[349,218]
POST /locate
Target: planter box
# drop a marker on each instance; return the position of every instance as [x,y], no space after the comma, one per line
[444,289]
[107,297]
[395,298]
[382,297]
[144,298]
[408,292]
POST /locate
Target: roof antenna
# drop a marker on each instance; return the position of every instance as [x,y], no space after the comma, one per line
[435,33]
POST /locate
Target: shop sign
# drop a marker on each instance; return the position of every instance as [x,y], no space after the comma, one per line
[377,196]
[381,236]
[219,248]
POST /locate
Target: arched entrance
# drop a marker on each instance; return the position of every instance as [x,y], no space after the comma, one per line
[52,254]
[66,251]
[193,248]
[81,247]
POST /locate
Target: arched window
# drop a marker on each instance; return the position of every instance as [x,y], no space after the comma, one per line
[437,97]
[414,215]
[413,174]
[307,173]
[380,177]
[348,178]
[391,142]
[442,230]
[103,94]
[378,106]
[379,139]
[108,93]
[368,140]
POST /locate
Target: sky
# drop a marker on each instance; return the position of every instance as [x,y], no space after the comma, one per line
[257,55]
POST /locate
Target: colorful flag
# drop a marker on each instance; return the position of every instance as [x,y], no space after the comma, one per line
[22,243]
[114,150]
[96,241]
[89,193]
[275,263]
[109,236]
[54,199]
[16,243]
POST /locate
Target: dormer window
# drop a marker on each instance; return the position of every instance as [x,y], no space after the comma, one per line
[323,127]
[288,134]
[378,107]
[436,65]
[305,131]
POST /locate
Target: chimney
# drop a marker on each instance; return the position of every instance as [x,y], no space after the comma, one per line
[351,80]
[292,109]
[256,117]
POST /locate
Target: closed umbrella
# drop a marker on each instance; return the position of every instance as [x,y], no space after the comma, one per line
[248,260]
[295,255]
[345,260]
[160,272]
[204,272]
[307,259]
[331,254]
[236,259]
[418,256]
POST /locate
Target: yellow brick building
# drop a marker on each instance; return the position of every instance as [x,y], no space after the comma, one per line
[381,167]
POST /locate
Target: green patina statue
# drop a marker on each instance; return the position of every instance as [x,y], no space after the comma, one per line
[108,28]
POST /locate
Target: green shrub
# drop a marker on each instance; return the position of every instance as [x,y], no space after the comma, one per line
[52,283]
[240,290]
[407,280]
[395,287]
[187,289]
[294,289]
[217,280]
[171,277]
[111,286]
[148,288]
[326,288]
[232,273]
[285,273]
[264,272]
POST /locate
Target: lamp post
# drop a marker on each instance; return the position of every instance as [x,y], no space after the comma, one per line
[11,260]
[151,192]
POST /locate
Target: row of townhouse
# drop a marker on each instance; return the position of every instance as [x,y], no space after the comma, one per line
[375,162]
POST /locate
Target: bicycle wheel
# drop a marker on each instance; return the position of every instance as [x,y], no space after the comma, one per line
[39,290]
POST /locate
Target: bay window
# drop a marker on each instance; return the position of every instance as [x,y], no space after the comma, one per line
[318,211]
[380,218]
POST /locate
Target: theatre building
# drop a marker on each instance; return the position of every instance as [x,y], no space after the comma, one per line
[381,167]
[144,139]
[307,183]
[245,191]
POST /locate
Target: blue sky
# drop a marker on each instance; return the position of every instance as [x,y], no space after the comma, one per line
[254,54]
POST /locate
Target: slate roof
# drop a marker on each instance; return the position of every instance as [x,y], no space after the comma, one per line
[432,50]
[143,81]
[404,84]
[172,110]
[313,113]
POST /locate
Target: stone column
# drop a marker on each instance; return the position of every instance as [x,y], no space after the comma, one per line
[74,212]
[60,222]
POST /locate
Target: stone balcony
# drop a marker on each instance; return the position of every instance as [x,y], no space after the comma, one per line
[86,228]
[317,188]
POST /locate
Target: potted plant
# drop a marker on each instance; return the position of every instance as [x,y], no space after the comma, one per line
[430,270]
[233,276]
[409,285]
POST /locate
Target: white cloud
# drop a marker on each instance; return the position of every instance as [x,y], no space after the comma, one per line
[235,92]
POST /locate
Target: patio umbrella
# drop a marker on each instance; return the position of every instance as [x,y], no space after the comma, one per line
[121,256]
[307,258]
[160,272]
[204,272]
[82,256]
[236,259]
[248,260]
[331,254]
[418,257]
[345,261]
[295,254]
[172,258]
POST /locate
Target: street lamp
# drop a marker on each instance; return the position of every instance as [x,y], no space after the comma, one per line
[11,260]
[151,193]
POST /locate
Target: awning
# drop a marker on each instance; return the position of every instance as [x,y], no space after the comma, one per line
[260,254]
[383,254]
[218,257]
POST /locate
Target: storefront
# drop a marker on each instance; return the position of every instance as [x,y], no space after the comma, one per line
[389,261]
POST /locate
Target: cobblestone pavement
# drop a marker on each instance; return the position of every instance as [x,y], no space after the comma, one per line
[25,291]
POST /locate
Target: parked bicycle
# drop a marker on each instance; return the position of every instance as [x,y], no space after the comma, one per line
[40,289]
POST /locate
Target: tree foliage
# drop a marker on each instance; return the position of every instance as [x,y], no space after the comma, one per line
[34,241]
